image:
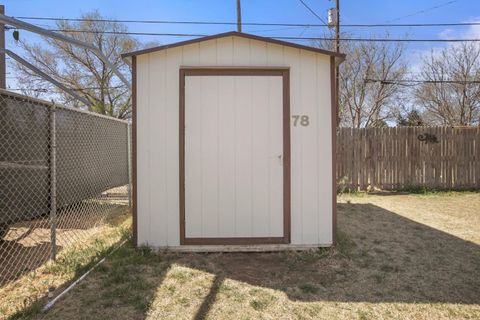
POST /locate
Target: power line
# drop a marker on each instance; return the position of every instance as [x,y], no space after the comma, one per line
[445,24]
[425,10]
[134,33]
[276,37]
[276,29]
[312,12]
[411,81]
[26,89]
[356,25]
[170,22]
[74,89]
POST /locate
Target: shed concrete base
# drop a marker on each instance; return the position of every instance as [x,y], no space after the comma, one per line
[242,248]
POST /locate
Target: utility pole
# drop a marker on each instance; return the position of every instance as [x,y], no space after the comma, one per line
[337,26]
[337,49]
[239,17]
[3,67]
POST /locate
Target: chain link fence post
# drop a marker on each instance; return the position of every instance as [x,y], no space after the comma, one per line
[53,183]
[129,163]
[64,175]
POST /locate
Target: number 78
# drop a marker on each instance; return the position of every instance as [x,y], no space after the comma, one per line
[302,119]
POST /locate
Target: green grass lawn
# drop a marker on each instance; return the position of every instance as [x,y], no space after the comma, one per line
[398,257]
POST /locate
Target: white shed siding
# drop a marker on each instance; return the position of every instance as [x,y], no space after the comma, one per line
[173,60]
[157,160]
[143,150]
[324,153]
[158,142]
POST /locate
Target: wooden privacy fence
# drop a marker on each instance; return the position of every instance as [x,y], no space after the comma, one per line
[405,157]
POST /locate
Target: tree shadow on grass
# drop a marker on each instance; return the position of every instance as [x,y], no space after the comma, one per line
[381,257]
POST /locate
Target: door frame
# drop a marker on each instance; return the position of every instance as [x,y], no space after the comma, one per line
[246,71]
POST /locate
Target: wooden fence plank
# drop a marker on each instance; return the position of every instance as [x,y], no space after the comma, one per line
[391,158]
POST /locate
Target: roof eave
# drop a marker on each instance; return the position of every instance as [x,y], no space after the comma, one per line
[339,56]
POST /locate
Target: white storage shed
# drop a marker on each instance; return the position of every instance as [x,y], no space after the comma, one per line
[233,144]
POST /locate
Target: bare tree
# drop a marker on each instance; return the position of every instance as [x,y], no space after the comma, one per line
[369,90]
[452,94]
[412,118]
[81,70]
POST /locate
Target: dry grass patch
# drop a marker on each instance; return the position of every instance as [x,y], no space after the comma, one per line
[25,296]
[398,257]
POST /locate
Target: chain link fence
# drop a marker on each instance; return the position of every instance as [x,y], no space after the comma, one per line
[64,179]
